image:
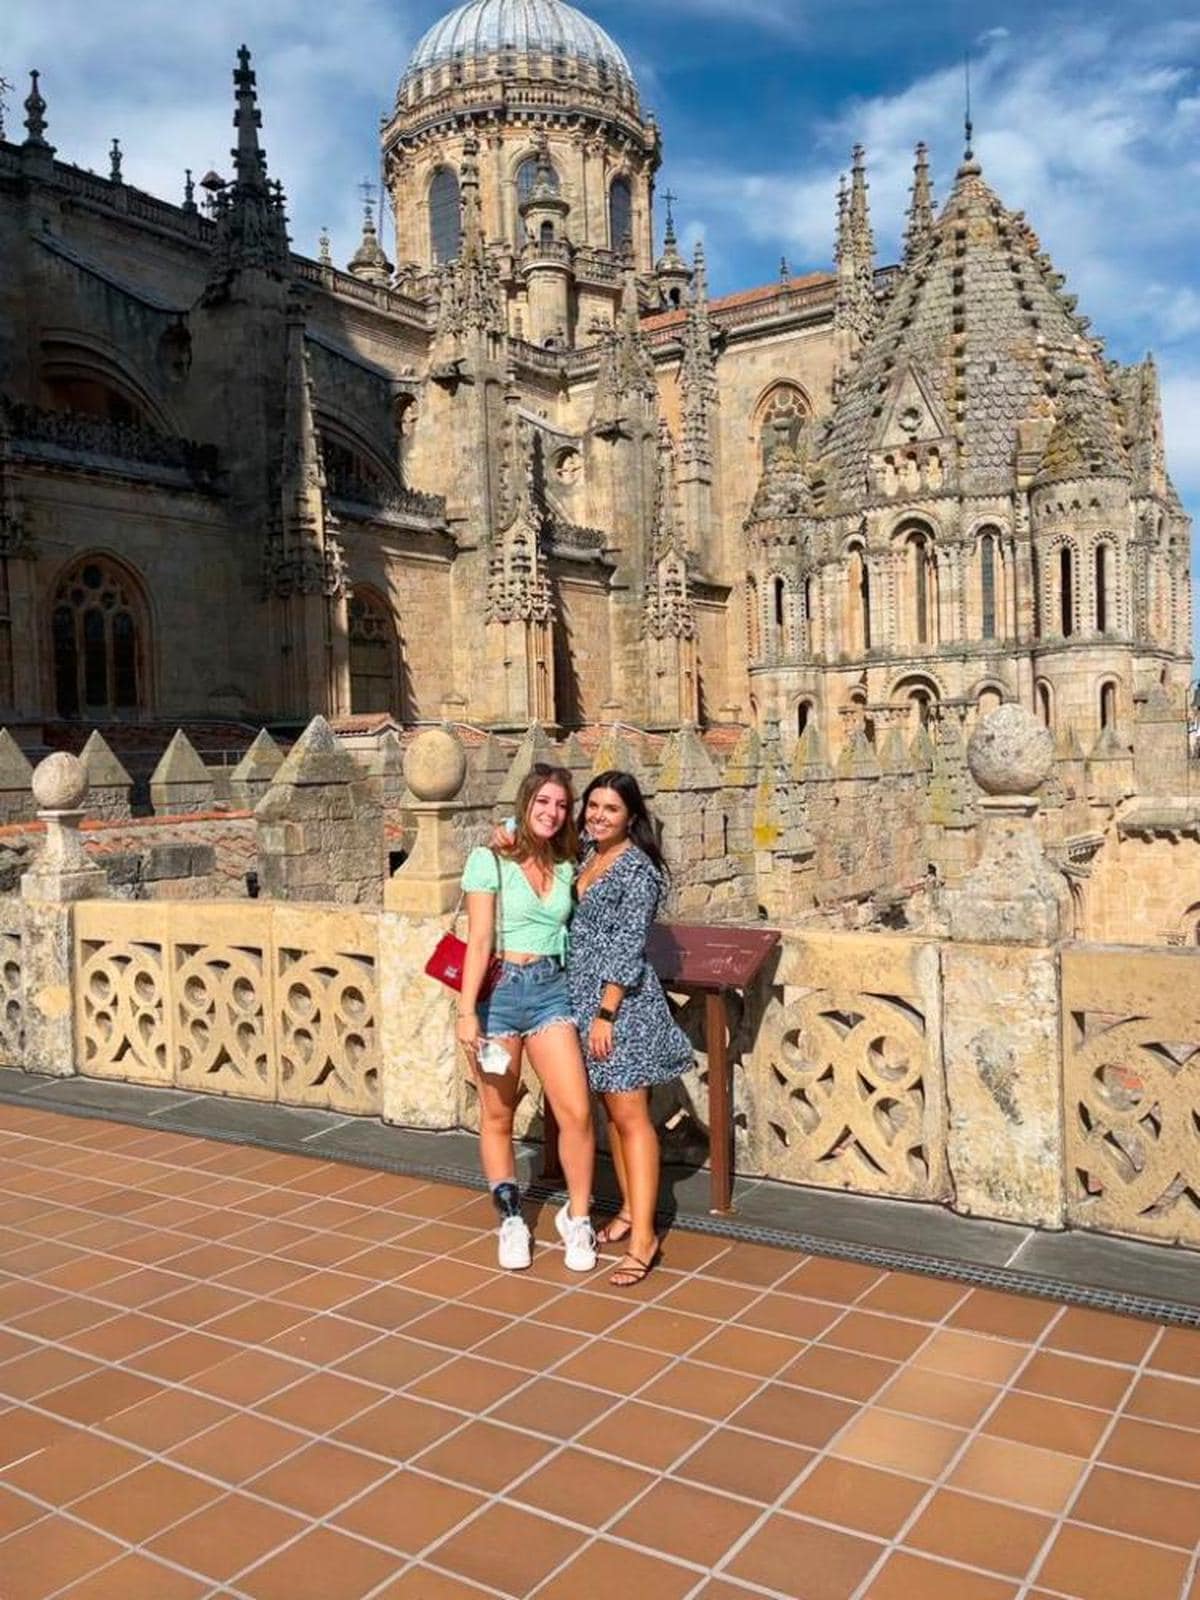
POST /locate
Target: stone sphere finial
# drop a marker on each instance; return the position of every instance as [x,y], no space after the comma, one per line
[1010,753]
[60,783]
[435,765]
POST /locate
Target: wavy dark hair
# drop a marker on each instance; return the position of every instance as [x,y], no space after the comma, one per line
[643,829]
[565,844]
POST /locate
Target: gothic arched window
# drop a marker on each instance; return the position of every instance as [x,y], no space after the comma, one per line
[372,653]
[445,216]
[98,630]
[527,176]
[1045,704]
[620,213]
[782,419]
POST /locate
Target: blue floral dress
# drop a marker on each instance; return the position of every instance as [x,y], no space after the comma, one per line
[608,945]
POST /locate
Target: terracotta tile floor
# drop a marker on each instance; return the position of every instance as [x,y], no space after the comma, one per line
[228,1372]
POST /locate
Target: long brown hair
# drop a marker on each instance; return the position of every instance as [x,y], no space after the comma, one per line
[565,844]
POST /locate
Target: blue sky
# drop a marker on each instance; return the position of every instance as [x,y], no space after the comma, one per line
[1087,118]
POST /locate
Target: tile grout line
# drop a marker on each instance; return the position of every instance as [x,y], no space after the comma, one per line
[975,1432]
[790,1489]
[599,1334]
[1118,1412]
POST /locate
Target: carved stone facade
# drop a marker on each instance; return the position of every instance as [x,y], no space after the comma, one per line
[533,473]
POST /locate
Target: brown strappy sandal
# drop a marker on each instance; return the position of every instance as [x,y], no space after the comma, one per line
[628,1277]
[608,1235]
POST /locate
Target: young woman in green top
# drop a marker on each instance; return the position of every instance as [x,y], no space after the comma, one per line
[518,904]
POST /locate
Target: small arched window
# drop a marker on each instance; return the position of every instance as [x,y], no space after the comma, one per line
[987,583]
[372,653]
[803,712]
[1108,705]
[1103,561]
[1066,592]
[920,561]
[97,629]
[445,216]
[620,213]
[1045,705]
[782,419]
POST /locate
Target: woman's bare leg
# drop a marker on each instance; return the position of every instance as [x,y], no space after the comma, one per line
[629,1118]
[617,1223]
[555,1056]
[497,1108]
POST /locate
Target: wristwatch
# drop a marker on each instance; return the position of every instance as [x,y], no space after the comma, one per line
[606,1014]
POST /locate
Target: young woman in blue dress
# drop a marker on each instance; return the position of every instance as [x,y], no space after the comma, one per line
[630,1039]
[518,896]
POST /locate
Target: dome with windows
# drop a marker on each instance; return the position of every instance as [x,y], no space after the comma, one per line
[474,36]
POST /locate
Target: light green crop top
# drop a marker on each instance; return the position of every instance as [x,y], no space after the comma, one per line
[526,924]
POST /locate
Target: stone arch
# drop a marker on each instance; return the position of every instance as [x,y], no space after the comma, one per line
[780,416]
[374,653]
[80,373]
[354,468]
[444,205]
[802,715]
[100,632]
[920,691]
[1189,924]
[1043,696]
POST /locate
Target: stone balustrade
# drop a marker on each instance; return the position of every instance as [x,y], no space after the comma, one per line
[990,1065]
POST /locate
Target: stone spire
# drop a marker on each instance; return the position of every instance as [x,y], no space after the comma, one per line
[626,374]
[470,299]
[189,192]
[304,574]
[697,374]
[324,253]
[920,210]
[114,162]
[369,261]
[855,306]
[671,270]
[518,586]
[303,557]
[251,226]
[35,116]
[669,618]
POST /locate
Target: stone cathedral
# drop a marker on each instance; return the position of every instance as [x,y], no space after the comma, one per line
[515,465]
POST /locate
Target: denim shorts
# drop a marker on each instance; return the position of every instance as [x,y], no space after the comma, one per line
[529,996]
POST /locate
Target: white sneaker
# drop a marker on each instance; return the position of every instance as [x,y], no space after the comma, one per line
[515,1252]
[578,1238]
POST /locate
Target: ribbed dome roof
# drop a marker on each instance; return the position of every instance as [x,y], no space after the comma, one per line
[483,27]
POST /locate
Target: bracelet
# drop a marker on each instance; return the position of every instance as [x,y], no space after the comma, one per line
[606,1014]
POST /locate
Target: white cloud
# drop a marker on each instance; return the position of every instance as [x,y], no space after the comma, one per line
[325,73]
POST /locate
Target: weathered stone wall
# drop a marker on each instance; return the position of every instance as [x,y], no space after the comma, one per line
[153,858]
[878,1063]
